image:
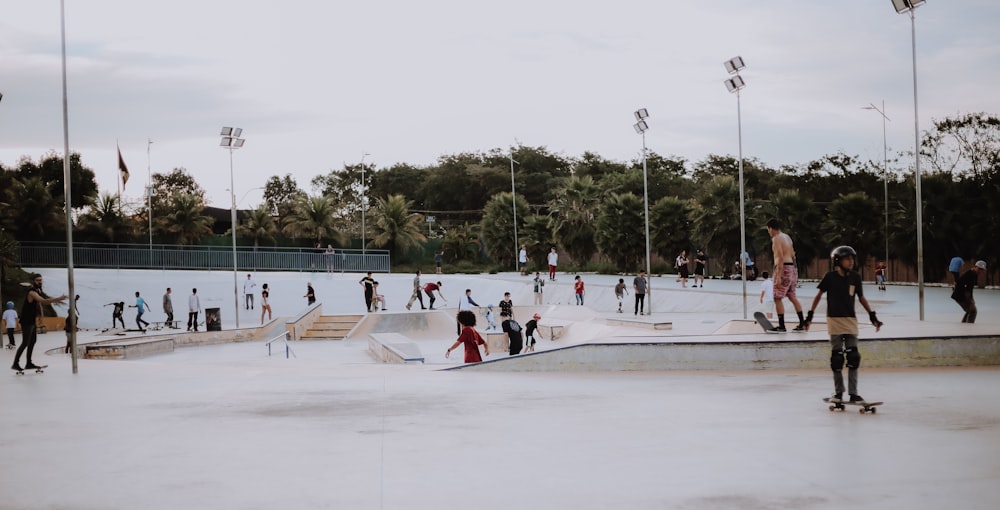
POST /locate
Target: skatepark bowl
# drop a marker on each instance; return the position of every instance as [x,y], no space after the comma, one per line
[691,407]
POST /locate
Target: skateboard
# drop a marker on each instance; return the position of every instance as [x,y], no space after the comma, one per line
[764,323]
[865,407]
[38,370]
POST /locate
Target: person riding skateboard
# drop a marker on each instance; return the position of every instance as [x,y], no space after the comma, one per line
[842,285]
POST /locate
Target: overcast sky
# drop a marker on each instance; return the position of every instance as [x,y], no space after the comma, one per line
[317,84]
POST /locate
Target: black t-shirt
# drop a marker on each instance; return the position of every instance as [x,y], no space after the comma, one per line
[840,292]
[507,306]
[968,281]
[531,325]
[513,329]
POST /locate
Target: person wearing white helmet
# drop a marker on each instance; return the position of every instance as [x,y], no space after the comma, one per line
[963,291]
[10,322]
[842,285]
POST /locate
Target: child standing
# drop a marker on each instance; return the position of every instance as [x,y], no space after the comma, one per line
[578,290]
[767,295]
[842,285]
[506,305]
[620,293]
[491,322]
[10,322]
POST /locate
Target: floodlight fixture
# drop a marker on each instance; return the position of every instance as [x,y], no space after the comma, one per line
[641,114]
[902,6]
[227,131]
[640,127]
[734,65]
[735,84]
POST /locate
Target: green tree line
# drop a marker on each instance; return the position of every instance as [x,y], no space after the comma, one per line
[588,206]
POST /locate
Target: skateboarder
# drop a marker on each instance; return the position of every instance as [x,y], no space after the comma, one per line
[963,291]
[842,285]
[429,289]
[168,309]
[368,283]
[416,296]
[786,274]
[194,306]
[117,313]
[530,332]
[142,307]
[32,309]
[248,287]
[512,329]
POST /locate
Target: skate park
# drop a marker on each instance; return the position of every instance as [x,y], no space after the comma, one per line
[689,407]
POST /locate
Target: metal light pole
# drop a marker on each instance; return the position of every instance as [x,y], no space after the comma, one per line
[885,177]
[364,231]
[641,127]
[513,203]
[908,6]
[232,141]
[734,85]
[149,192]
[71,313]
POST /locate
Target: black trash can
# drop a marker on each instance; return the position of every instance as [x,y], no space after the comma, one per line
[213,319]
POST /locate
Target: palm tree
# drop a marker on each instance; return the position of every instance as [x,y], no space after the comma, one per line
[715,217]
[620,232]
[395,226]
[35,211]
[669,226]
[186,220]
[312,217]
[105,222]
[497,227]
[259,224]
[461,243]
[573,211]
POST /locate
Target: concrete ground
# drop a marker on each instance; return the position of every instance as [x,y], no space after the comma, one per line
[226,426]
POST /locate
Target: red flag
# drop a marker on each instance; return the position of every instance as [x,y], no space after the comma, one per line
[122,168]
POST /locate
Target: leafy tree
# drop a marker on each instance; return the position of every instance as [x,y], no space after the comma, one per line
[280,194]
[715,217]
[50,171]
[461,243]
[312,218]
[849,222]
[105,221]
[497,227]
[343,188]
[967,144]
[399,179]
[259,225]
[670,226]
[621,232]
[395,227]
[573,211]
[186,222]
[536,236]
[34,213]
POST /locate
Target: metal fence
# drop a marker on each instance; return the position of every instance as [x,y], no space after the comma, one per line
[168,256]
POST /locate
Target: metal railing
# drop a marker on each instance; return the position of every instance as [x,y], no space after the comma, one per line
[284,338]
[169,256]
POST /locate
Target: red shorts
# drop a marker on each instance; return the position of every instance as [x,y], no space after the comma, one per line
[789,278]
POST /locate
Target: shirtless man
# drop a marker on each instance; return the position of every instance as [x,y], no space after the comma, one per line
[786,276]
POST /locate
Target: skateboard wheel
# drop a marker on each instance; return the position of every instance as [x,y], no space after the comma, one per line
[832,408]
[862,410]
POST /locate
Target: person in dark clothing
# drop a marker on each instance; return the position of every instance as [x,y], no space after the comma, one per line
[529,333]
[369,285]
[310,294]
[963,291]
[429,289]
[513,331]
[32,309]
[117,313]
[842,285]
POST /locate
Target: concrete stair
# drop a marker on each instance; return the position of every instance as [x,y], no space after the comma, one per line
[332,327]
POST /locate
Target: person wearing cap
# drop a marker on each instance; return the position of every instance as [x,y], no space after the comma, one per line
[10,322]
[529,333]
[512,329]
[963,291]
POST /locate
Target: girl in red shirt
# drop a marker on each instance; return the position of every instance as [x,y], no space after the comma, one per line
[578,287]
[470,337]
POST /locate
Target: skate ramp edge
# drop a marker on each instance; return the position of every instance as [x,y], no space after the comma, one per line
[394,348]
[749,355]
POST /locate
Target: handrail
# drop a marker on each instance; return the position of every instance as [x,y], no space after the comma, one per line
[284,338]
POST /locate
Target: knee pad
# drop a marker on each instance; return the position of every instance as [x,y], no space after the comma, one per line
[853,357]
[837,360]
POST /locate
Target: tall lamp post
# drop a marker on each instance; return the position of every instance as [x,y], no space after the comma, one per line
[885,177]
[231,139]
[71,282]
[908,6]
[149,190]
[641,127]
[734,85]
[513,204]
[364,231]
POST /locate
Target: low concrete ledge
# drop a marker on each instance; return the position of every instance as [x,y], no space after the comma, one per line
[298,325]
[394,348]
[497,341]
[130,349]
[551,331]
[639,323]
[804,354]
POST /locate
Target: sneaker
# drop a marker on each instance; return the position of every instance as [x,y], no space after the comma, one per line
[31,366]
[857,398]
[779,329]
[800,327]
[407,307]
[17,367]
[837,397]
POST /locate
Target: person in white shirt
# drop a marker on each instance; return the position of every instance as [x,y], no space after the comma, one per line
[248,287]
[553,262]
[10,323]
[522,260]
[466,304]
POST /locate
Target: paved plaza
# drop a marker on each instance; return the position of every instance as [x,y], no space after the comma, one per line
[226,426]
